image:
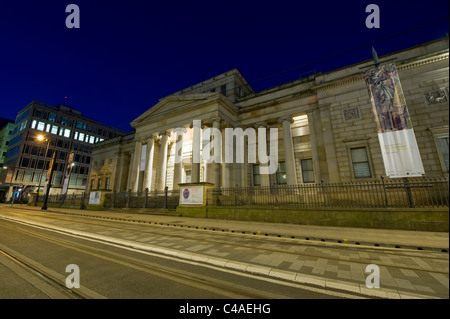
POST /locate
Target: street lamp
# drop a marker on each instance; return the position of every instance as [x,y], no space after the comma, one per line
[41,138]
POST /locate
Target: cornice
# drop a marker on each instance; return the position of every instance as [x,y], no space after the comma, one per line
[405,65]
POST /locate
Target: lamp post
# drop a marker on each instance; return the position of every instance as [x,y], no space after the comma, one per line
[41,138]
[50,174]
[49,183]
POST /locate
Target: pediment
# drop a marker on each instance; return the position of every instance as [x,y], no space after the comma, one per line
[177,104]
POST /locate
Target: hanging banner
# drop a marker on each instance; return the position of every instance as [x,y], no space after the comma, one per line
[49,172]
[67,174]
[398,143]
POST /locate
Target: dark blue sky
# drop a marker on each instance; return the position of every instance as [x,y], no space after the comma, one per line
[128,54]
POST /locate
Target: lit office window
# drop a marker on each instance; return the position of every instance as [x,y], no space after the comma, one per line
[41,126]
[61,131]
[33,124]
[81,137]
[91,139]
[54,130]
[66,133]
[75,136]
[47,129]
[360,161]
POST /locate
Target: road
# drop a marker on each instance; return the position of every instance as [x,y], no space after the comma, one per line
[122,259]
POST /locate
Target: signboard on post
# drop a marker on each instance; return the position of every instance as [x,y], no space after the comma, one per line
[94,198]
[191,195]
[398,143]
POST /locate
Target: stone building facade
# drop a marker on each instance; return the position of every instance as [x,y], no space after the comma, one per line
[326,129]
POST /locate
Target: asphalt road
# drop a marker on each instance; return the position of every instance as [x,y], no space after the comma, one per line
[119,258]
[34,259]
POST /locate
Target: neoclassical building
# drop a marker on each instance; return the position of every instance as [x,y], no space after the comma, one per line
[324,123]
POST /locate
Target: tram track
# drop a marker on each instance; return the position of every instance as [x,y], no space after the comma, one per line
[42,278]
[213,285]
[255,243]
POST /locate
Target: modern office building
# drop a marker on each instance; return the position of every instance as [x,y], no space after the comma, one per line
[325,124]
[42,132]
[6,130]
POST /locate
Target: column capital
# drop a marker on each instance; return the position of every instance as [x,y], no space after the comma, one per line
[192,125]
[164,133]
[286,118]
[261,124]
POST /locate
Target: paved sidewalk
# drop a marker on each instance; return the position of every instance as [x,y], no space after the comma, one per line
[438,241]
[406,272]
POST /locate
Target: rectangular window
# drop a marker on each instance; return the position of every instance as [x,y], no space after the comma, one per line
[47,129]
[360,162]
[54,130]
[25,162]
[81,137]
[223,90]
[33,124]
[66,133]
[281,173]
[92,183]
[41,126]
[99,184]
[52,117]
[256,176]
[443,143]
[91,139]
[307,170]
[107,183]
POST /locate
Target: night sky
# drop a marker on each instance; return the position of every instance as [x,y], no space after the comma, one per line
[128,54]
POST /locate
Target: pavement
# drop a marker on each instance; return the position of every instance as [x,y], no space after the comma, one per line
[421,240]
[418,259]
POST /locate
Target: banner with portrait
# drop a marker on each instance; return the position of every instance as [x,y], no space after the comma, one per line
[398,143]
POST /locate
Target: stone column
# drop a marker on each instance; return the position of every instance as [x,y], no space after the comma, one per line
[217,142]
[196,140]
[135,166]
[148,175]
[161,181]
[130,170]
[315,154]
[227,168]
[178,165]
[264,178]
[291,173]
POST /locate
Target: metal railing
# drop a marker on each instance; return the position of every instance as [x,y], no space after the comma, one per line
[146,199]
[80,200]
[406,192]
